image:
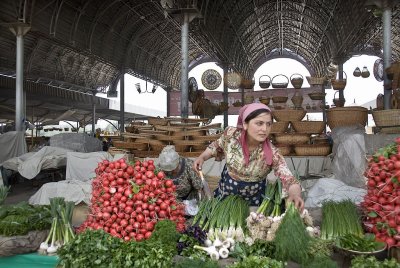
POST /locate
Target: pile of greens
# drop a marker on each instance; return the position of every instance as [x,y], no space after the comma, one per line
[21,218]
[259,262]
[372,262]
[100,249]
[366,243]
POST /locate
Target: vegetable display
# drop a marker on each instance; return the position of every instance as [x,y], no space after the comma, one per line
[21,218]
[127,201]
[381,204]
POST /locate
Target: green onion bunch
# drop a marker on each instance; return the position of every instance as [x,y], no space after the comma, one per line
[271,205]
[339,219]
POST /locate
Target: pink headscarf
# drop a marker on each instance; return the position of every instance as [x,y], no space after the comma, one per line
[243,113]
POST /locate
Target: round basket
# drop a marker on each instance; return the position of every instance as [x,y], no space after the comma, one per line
[232,80]
[248,99]
[312,149]
[264,81]
[247,83]
[279,127]
[292,138]
[339,84]
[387,120]
[317,95]
[282,83]
[264,100]
[316,80]
[279,99]
[309,127]
[347,116]
[296,80]
[284,149]
[289,115]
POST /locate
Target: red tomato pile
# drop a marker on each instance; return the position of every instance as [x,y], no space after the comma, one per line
[127,201]
[382,202]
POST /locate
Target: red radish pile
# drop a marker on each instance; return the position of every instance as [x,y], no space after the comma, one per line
[382,202]
[127,201]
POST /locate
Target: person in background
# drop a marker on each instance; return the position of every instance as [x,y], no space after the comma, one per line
[250,157]
[179,170]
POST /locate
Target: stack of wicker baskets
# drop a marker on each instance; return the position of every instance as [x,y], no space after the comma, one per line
[283,140]
[347,116]
[388,121]
[189,138]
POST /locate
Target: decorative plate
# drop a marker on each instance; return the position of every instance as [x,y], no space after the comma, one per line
[233,80]
[378,70]
[211,79]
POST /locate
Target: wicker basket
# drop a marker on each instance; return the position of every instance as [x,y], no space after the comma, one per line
[279,127]
[284,149]
[296,80]
[130,145]
[157,121]
[309,127]
[157,145]
[248,99]
[347,116]
[180,146]
[387,120]
[206,138]
[279,99]
[289,115]
[339,84]
[264,100]
[292,138]
[169,138]
[264,81]
[130,129]
[282,84]
[312,149]
[170,128]
[316,80]
[317,95]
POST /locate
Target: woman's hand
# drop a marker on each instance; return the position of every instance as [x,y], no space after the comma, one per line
[198,164]
[295,196]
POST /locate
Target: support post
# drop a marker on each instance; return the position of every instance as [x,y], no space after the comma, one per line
[387,54]
[122,101]
[19,30]
[185,66]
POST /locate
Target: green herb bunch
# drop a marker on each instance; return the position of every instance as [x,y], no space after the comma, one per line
[259,262]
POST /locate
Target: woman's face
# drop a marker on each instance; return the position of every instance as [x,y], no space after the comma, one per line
[258,128]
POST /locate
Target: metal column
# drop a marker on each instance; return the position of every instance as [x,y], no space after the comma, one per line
[341,94]
[122,101]
[19,30]
[225,96]
[93,115]
[387,54]
[185,67]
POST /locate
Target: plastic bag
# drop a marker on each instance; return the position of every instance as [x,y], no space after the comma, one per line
[191,207]
[349,162]
[332,189]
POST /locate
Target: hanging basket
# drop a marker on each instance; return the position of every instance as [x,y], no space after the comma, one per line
[232,80]
[296,80]
[283,83]
[264,81]
[339,84]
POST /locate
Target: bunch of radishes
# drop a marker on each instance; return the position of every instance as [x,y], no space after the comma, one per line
[382,202]
[128,200]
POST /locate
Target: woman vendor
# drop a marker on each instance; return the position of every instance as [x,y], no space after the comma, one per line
[179,170]
[250,157]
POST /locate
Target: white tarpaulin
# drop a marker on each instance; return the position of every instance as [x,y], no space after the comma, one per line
[77,186]
[78,142]
[12,144]
[81,166]
[30,164]
[72,190]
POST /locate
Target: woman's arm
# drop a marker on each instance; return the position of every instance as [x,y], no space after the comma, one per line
[198,163]
[295,196]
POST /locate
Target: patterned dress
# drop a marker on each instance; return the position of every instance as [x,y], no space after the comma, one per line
[187,182]
[251,180]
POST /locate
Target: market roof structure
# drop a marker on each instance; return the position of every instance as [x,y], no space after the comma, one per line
[84,44]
